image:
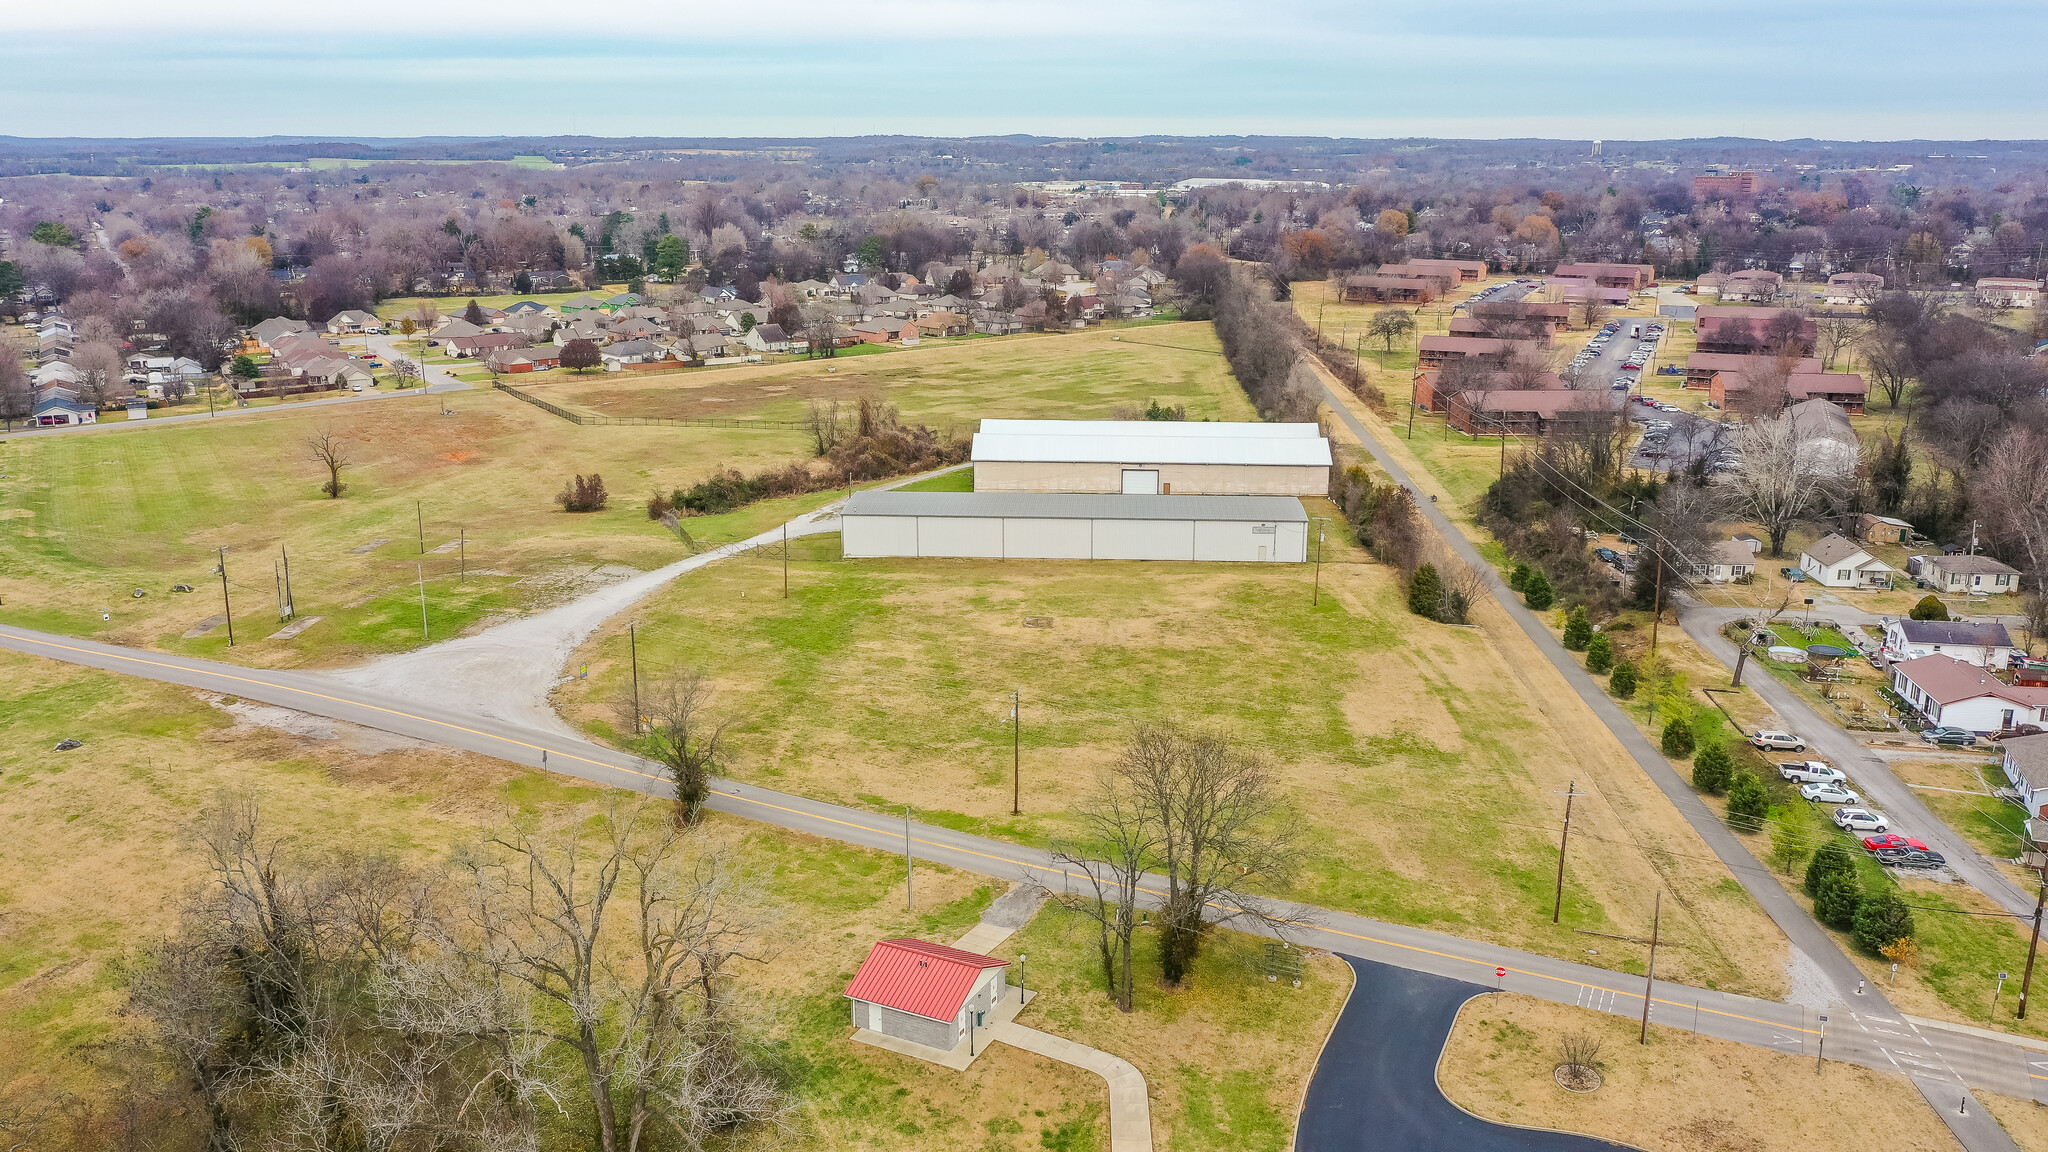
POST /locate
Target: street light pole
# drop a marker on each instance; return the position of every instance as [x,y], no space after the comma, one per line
[226,608]
[633,644]
[1016,751]
[1650,977]
[1571,791]
[2027,979]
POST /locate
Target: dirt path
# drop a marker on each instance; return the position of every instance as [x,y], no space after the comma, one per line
[507,672]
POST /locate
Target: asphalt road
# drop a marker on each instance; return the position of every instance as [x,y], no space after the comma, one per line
[1933,1073]
[1942,1060]
[1868,773]
[1375,1087]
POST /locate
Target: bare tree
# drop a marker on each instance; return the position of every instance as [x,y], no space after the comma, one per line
[685,735]
[822,421]
[2012,489]
[406,370]
[333,454]
[1389,325]
[1118,843]
[1216,806]
[1840,332]
[100,373]
[638,997]
[17,397]
[1779,485]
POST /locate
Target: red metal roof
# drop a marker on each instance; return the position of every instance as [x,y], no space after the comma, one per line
[915,976]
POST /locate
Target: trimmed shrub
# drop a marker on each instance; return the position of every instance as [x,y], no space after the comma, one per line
[1832,860]
[1425,591]
[1578,631]
[1713,769]
[1747,802]
[1837,899]
[1882,920]
[1518,576]
[1623,682]
[1678,742]
[1929,608]
[1536,591]
[1599,653]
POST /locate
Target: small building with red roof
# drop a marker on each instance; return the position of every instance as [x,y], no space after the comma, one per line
[926,993]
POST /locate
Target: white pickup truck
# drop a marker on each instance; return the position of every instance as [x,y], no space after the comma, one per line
[1810,772]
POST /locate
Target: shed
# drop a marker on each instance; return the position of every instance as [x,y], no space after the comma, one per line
[1883,529]
[1151,456]
[925,993]
[1060,526]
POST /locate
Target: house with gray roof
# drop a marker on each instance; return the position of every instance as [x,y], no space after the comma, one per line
[1972,575]
[1987,645]
[1835,561]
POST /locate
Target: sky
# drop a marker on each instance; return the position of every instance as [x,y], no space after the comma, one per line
[1875,70]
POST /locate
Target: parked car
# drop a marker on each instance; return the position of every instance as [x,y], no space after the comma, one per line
[1861,820]
[1829,792]
[1607,555]
[1795,575]
[1917,858]
[1893,840]
[1772,740]
[1811,772]
[1956,736]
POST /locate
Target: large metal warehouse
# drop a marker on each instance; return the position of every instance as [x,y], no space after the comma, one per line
[1151,457]
[1056,526]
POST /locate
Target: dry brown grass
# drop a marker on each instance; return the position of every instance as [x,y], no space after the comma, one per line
[2024,1120]
[1682,1093]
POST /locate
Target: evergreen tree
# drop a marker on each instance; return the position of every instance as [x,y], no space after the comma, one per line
[1599,653]
[1832,860]
[1518,576]
[1578,631]
[1425,591]
[1713,769]
[1623,682]
[474,314]
[1883,919]
[1747,802]
[1836,899]
[1929,608]
[1678,739]
[1891,474]
[1536,591]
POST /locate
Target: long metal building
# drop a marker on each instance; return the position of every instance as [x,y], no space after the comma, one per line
[1151,457]
[1059,526]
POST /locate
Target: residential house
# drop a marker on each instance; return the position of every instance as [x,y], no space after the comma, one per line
[768,338]
[1853,288]
[622,300]
[528,308]
[1985,645]
[1953,693]
[1749,330]
[1754,284]
[2025,762]
[509,361]
[633,352]
[713,345]
[55,410]
[1436,351]
[1979,575]
[1876,529]
[943,324]
[1465,271]
[354,322]
[1555,314]
[584,303]
[268,332]
[1846,390]
[2008,292]
[1388,289]
[1835,561]
[1701,367]
[454,328]
[926,994]
[1730,560]
[1633,277]
[887,331]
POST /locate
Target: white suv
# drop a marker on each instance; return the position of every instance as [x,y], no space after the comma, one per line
[1861,820]
[1774,741]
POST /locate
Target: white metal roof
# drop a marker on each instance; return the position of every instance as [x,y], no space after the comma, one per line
[1150,442]
[1077,506]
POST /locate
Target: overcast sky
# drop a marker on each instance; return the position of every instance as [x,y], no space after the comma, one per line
[1877,69]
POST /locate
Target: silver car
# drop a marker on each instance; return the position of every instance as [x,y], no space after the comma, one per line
[1829,794]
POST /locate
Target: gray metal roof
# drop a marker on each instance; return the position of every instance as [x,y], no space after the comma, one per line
[1151,442]
[1989,634]
[1078,506]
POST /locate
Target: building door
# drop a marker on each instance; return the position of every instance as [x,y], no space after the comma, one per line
[1141,482]
[1262,552]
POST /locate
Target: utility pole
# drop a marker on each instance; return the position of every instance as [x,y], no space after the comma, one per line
[422,569]
[633,644]
[785,559]
[1571,792]
[226,608]
[1657,597]
[1016,751]
[1411,411]
[420,511]
[909,866]
[1650,977]
[278,580]
[291,602]
[462,556]
[2033,944]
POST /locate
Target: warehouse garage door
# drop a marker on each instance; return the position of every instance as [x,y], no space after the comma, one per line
[1141,482]
[960,536]
[1144,540]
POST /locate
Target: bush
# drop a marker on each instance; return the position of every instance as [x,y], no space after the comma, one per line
[1713,769]
[1537,593]
[1599,653]
[1578,631]
[1883,920]
[1518,576]
[1425,591]
[1747,802]
[1677,740]
[1832,860]
[583,494]
[1623,682]
[1837,900]
[659,505]
[1929,608]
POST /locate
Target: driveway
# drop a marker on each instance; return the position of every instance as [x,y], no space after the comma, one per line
[1375,1086]
[1872,777]
[439,379]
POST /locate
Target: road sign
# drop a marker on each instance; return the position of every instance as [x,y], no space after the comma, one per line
[1500,973]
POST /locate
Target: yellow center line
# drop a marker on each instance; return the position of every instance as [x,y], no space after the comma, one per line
[852,824]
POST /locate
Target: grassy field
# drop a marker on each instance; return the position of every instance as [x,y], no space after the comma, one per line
[1413,752]
[98,860]
[1681,1093]
[1079,375]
